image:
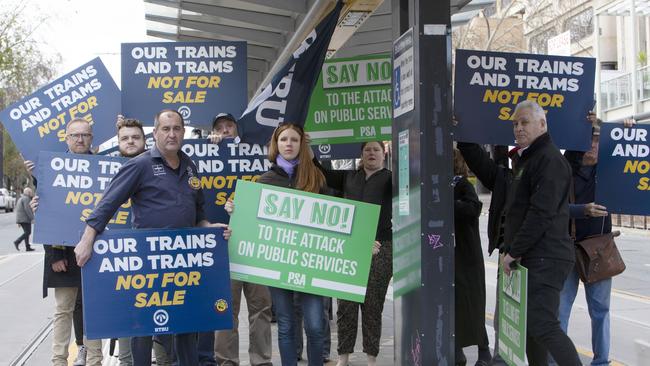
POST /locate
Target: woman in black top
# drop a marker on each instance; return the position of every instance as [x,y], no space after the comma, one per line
[370,183]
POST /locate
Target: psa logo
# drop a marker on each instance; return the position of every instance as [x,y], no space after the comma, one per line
[160,317]
[368,131]
[221,305]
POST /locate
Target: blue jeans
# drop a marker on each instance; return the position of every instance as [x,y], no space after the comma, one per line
[327,332]
[598,295]
[312,309]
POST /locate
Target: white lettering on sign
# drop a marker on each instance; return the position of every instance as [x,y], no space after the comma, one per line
[306,211]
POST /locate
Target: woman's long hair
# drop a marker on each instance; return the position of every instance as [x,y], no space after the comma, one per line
[308,177]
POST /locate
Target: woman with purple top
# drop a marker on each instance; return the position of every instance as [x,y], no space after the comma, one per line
[293,167]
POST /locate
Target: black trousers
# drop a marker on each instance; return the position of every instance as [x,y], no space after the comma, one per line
[27,231]
[545,280]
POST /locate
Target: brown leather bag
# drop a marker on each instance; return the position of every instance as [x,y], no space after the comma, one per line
[598,258]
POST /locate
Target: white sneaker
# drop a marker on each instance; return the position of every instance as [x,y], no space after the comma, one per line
[81,357]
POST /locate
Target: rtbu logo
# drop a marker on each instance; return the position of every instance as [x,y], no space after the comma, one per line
[368,131]
[160,317]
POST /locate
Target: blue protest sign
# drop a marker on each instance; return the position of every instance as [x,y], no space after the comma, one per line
[69,188]
[488,86]
[37,122]
[199,79]
[220,166]
[623,170]
[158,281]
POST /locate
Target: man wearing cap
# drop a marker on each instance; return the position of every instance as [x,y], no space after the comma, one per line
[258,297]
[224,126]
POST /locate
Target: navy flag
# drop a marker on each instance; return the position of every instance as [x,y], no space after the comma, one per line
[286,98]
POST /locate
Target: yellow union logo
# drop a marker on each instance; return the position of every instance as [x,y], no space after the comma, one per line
[221,305]
[195,183]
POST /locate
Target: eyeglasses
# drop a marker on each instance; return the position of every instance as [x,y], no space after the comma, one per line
[76,136]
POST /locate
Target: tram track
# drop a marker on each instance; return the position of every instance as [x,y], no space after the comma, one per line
[31,347]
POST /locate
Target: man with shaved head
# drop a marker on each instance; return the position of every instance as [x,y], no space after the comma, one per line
[165,192]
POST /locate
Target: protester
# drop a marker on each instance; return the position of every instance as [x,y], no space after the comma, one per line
[224,126]
[590,219]
[24,218]
[495,176]
[258,298]
[293,168]
[535,217]
[130,142]
[154,194]
[469,268]
[62,273]
[370,183]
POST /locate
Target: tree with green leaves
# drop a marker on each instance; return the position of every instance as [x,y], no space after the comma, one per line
[23,69]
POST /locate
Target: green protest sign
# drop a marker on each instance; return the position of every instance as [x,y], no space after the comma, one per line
[351,101]
[513,301]
[302,241]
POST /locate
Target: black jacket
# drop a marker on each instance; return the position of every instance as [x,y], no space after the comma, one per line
[532,202]
[69,278]
[537,205]
[377,189]
[469,266]
[494,177]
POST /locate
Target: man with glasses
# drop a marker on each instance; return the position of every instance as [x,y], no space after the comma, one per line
[64,275]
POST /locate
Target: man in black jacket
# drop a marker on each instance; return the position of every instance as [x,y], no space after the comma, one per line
[535,215]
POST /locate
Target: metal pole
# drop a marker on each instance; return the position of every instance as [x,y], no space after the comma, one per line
[635,40]
[596,35]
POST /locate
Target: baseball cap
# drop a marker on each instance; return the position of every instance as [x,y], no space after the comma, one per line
[227,116]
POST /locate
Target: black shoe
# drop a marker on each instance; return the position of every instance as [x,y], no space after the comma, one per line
[29,249]
[16,245]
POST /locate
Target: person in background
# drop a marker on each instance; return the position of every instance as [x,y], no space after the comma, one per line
[258,297]
[224,126]
[370,183]
[24,218]
[590,219]
[469,268]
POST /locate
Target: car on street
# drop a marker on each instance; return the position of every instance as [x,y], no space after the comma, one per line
[7,200]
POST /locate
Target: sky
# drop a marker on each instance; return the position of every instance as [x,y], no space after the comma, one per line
[80,30]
